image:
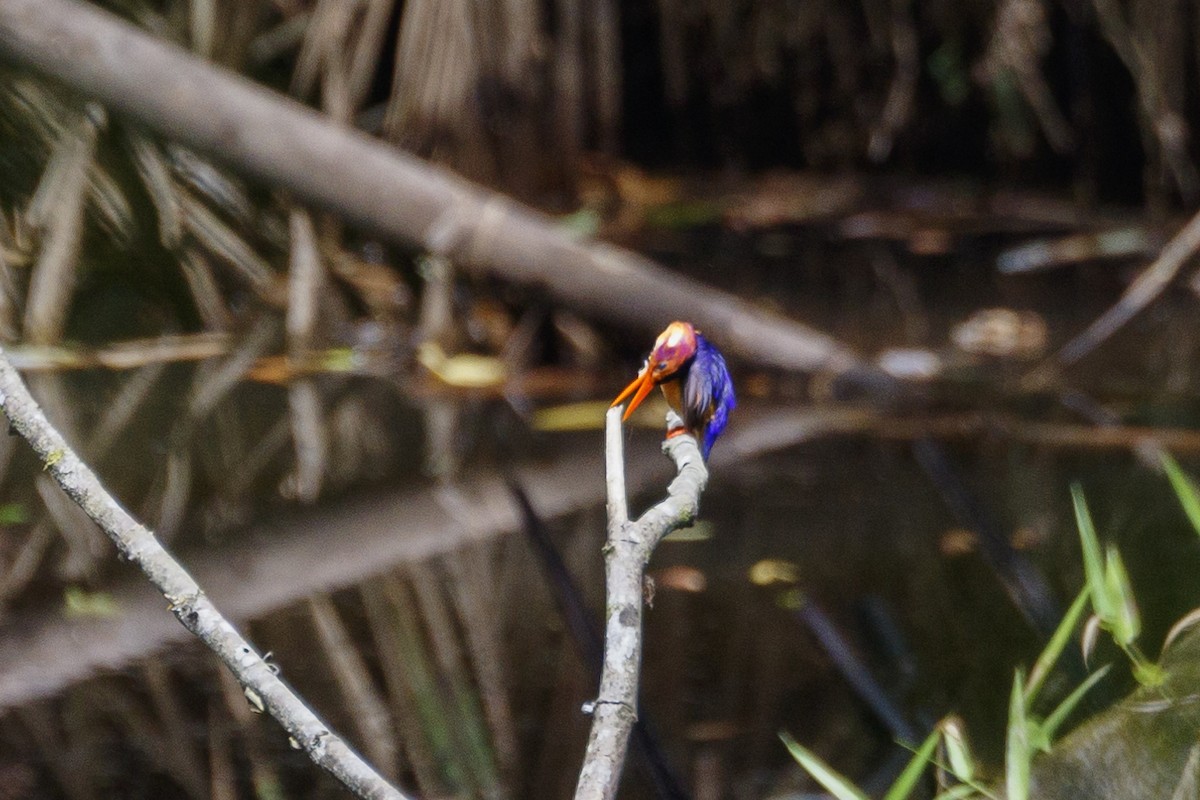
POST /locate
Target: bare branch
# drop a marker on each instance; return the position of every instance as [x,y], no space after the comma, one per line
[629,547]
[187,601]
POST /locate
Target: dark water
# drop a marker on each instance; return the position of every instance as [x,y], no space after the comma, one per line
[414,615]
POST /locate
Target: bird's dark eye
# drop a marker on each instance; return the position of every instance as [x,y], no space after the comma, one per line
[661,365]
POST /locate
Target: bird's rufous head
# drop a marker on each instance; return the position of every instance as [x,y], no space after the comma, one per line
[673,347]
[672,350]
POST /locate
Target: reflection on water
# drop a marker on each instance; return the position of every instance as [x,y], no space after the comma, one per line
[408,609]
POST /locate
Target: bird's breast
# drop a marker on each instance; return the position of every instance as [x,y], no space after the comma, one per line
[671,390]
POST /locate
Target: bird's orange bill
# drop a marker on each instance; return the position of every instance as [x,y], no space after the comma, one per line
[642,385]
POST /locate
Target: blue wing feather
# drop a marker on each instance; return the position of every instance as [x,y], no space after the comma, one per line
[707,394]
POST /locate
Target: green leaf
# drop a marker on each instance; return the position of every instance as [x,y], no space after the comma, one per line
[13,514]
[584,416]
[1185,490]
[1058,642]
[340,359]
[1051,724]
[1037,738]
[1093,562]
[822,773]
[1017,750]
[683,215]
[958,752]
[1126,622]
[79,603]
[907,782]
[581,224]
[1147,673]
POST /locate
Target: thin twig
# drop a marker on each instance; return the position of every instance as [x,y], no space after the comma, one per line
[187,601]
[1148,285]
[629,547]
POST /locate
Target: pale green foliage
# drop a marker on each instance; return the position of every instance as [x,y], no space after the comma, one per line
[1185,489]
[1112,595]
[835,783]
[1114,608]
[1018,750]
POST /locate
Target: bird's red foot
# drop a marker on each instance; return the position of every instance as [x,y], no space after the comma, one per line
[678,431]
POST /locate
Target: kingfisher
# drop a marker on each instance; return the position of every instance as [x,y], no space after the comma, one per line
[694,379]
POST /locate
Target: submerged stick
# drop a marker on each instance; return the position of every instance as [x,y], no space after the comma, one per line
[1148,285]
[626,553]
[186,599]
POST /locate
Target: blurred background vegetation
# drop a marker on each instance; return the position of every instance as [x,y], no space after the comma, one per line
[954,188]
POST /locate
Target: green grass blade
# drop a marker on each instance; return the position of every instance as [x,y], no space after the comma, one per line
[1017,751]
[822,773]
[958,751]
[1126,622]
[911,776]
[1093,561]
[1054,648]
[1051,724]
[1185,490]
[960,792]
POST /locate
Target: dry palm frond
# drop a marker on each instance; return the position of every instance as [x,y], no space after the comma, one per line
[214,185]
[1020,40]
[185,762]
[306,278]
[363,60]
[472,584]
[155,174]
[108,204]
[323,38]
[64,174]
[274,42]
[370,717]
[86,544]
[11,257]
[1164,131]
[391,639]
[23,567]
[57,210]
[249,729]
[468,732]
[310,440]
[35,111]
[202,24]
[898,107]
[222,240]
[434,107]
[204,290]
